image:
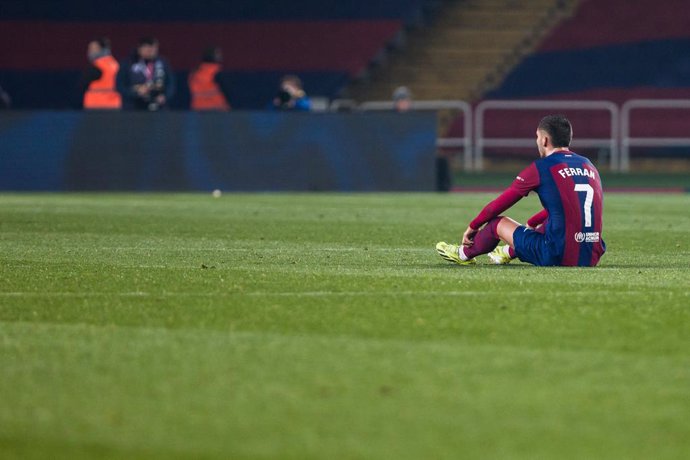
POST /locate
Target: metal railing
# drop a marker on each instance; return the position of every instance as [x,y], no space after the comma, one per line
[627,141]
[474,142]
[481,142]
[464,142]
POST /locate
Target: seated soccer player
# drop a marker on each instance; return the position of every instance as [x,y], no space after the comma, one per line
[568,232]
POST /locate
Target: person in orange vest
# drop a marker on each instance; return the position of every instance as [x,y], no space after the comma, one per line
[205,90]
[100,78]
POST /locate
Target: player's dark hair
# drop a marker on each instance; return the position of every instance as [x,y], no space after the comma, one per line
[103,42]
[147,41]
[558,128]
[210,54]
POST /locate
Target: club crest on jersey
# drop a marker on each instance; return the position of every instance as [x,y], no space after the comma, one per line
[568,172]
[589,237]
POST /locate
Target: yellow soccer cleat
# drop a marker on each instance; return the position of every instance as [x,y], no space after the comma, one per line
[450,253]
[499,256]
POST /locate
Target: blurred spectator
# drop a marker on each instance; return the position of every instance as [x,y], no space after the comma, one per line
[146,80]
[99,78]
[5,100]
[291,95]
[204,88]
[402,98]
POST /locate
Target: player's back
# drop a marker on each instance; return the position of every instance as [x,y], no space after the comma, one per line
[570,190]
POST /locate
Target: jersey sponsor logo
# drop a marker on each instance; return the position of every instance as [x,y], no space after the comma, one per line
[520,178]
[569,172]
[587,237]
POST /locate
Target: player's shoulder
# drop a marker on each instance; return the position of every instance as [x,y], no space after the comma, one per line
[586,162]
[577,156]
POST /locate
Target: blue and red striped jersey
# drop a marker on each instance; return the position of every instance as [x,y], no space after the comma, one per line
[569,188]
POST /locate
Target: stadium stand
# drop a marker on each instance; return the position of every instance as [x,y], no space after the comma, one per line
[326,42]
[609,49]
[469,42]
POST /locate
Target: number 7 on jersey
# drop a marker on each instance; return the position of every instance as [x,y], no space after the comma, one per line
[588,201]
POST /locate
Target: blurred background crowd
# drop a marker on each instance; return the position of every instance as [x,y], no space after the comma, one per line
[440,49]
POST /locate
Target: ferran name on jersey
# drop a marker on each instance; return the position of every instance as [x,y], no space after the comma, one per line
[568,172]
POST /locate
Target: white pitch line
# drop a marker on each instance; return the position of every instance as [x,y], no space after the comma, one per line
[283,249]
[299,293]
[232,294]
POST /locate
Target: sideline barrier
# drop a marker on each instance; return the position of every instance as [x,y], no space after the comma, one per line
[464,142]
[236,151]
[363,149]
[627,141]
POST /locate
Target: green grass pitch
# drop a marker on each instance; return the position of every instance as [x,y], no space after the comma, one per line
[325,326]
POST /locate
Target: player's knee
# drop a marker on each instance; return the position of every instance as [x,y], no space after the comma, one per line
[505,226]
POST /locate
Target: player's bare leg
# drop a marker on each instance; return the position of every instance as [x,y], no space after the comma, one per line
[505,229]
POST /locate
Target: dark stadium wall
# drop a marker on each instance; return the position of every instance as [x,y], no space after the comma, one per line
[240,151]
[326,42]
[253,46]
[610,49]
[210,10]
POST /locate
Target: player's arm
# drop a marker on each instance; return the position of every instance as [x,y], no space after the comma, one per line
[538,219]
[504,201]
[525,182]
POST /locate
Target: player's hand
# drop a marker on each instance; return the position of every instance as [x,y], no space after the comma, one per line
[141,90]
[468,236]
